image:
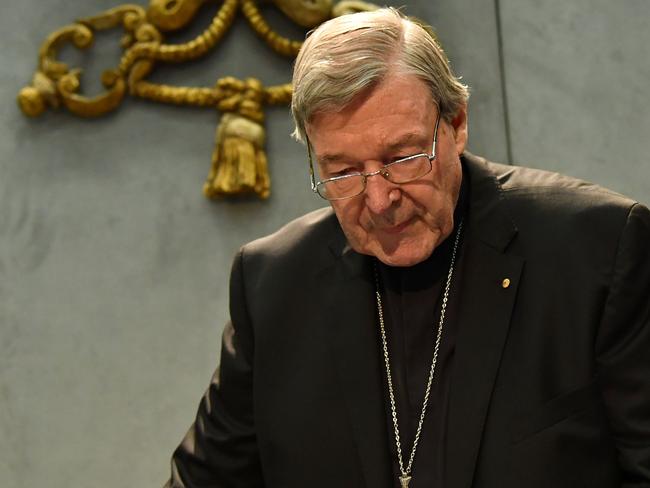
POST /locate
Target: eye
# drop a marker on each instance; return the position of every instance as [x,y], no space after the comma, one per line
[406,152]
[399,158]
[348,170]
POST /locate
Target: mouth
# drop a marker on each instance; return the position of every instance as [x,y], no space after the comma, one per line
[397,229]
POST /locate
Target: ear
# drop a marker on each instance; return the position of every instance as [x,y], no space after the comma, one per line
[459,124]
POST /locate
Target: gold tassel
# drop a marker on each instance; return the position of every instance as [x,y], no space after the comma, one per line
[239,164]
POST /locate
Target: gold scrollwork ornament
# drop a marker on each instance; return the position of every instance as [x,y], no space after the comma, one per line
[239,163]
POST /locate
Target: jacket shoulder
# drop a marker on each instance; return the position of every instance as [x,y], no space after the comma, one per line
[297,236]
[524,183]
[550,212]
[557,215]
[292,253]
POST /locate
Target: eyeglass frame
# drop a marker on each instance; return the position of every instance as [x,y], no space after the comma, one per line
[381,171]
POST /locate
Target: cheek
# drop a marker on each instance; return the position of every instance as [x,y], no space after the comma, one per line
[424,200]
[435,201]
[446,181]
[350,215]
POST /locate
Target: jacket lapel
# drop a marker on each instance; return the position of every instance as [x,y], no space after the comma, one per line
[354,342]
[486,304]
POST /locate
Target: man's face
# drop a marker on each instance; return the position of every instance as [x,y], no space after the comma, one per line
[401,225]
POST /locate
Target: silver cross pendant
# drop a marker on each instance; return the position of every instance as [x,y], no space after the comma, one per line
[404,481]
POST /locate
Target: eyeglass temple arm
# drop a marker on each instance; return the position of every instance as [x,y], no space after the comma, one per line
[312,177]
[435,137]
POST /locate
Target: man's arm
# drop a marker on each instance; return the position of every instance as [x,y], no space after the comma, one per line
[220,448]
[623,350]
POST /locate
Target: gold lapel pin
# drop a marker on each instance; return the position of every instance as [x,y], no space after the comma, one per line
[505,283]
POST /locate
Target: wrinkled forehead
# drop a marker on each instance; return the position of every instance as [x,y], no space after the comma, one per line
[390,89]
[398,115]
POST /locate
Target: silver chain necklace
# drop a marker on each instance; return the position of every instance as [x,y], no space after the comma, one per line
[405,477]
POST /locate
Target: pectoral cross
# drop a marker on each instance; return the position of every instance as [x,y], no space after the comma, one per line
[404,481]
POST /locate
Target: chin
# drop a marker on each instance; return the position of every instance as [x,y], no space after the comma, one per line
[401,261]
[395,252]
[403,256]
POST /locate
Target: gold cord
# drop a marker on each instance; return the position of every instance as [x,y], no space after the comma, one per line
[279,44]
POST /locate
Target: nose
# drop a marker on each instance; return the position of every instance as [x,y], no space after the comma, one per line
[380,193]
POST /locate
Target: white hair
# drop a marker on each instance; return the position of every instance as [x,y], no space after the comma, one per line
[352,53]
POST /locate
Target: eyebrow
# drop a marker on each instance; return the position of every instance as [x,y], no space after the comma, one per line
[405,139]
[330,158]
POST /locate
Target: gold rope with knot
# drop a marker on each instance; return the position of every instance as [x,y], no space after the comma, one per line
[239,164]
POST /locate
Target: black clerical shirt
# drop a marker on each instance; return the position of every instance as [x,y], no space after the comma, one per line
[412,299]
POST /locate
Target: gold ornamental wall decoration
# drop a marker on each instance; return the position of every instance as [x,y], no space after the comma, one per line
[239,162]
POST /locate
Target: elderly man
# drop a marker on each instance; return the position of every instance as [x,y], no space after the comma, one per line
[448,322]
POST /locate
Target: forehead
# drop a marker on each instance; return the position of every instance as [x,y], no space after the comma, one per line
[399,111]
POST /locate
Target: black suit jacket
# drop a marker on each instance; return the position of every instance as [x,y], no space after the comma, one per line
[551,376]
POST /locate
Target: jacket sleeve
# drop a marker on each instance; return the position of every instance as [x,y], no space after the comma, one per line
[220,448]
[623,350]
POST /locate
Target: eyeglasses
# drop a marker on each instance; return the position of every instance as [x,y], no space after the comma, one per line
[403,170]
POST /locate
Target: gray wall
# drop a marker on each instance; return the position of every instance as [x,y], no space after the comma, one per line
[576,75]
[113,267]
